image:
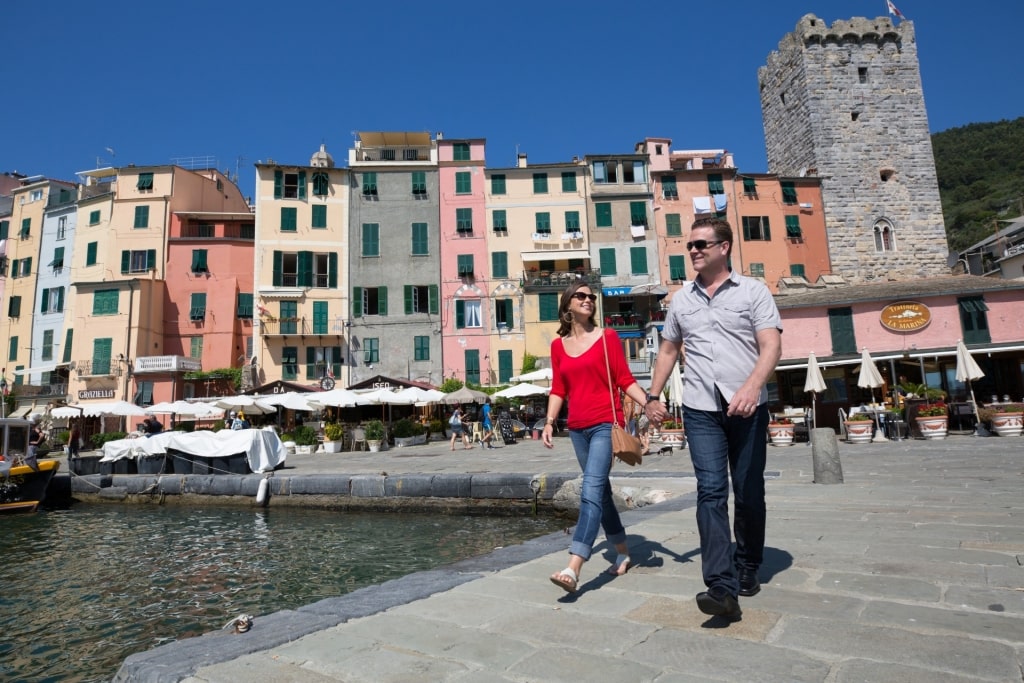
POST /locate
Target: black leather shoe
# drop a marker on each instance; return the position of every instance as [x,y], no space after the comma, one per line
[749,583]
[719,603]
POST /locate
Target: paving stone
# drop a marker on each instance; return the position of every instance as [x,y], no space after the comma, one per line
[880,586]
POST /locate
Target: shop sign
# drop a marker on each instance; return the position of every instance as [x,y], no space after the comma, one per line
[905,316]
[86,394]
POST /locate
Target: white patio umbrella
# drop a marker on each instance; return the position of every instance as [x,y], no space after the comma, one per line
[291,400]
[420,397]
[250,404]
[815,384]
[464,395]
[521,390]
[870,378]
[535,376]
[115,408]
[337,398]
[967,370]
[183,408]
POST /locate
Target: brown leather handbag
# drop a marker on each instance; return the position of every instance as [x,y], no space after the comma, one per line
[625,446]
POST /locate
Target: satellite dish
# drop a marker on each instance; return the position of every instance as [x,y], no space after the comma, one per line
[802,172]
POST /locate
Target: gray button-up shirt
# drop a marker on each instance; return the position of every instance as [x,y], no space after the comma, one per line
[719,336]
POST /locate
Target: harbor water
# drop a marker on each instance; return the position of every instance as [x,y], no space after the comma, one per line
[84,588]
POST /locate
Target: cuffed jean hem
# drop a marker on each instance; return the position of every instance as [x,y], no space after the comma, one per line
[593,447]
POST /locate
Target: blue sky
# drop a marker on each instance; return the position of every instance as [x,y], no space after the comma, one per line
[248,81]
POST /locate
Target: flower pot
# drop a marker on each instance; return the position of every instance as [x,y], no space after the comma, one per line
[332,446]
[1008,424]
[933,427]
[373,445]
[859,431]
[780,434]
[673,437]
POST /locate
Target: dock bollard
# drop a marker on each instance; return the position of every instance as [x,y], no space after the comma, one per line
[825,454]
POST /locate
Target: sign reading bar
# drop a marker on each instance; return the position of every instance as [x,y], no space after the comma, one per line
[905,316]
[95,393]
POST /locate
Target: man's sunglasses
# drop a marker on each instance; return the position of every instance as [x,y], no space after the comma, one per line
[581,296]
[701,245]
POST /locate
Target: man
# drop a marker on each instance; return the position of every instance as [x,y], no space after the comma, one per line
[730,332]
[35,440]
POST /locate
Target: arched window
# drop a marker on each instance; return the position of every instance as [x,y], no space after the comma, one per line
[885,235]
[320,184]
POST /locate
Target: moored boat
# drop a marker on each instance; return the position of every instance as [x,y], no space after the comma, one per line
[23,488]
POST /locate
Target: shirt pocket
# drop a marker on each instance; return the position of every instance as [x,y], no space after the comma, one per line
[734,317]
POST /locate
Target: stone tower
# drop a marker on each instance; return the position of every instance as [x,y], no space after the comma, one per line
[844,102]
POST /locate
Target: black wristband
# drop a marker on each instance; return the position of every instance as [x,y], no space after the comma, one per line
[652,397]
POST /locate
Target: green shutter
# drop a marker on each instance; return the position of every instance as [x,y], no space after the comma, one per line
[126,261]
[499,220]
[319,218]
[499,264]
[840,322]
[311,362]
[357,302]
[302,184]
[669,188]
[305,266]
[419,239]
[101,350]
[94,217]
[638,213]
[332,270]
[572,221]
[607,259]
[60,299]
[793,227]
[90,253]
[289,219]
[788,192]
[548,306]
[151,259]
[460,314]
[749,186]
[44,299]
[463,182]
[319,317]
[382,301]
[677,267]
[5,229]
[604,214]
[199,261]
[568,181]
[68,338]
[278,184]
[715,185]
[141,216]
[434,300]
[638,260]
[407,294]
[278,265]
[498,183]
[244,306]
[540,183]
[473,366]
[673,225]
[504,366]
[371,239]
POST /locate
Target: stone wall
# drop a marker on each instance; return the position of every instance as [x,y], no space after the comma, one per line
[845,102]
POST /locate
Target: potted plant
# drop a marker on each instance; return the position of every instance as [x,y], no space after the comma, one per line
[305,439]
[859,428]
[780,431]
[333,435]
[437,430]
[933,420]
[1007,419]
[374,430]
[408,433]
[671,433]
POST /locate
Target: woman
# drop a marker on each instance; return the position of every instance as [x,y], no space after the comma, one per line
[455,422]
[579,374]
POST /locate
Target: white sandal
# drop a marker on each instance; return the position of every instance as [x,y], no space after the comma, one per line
[566,580]
[622,564]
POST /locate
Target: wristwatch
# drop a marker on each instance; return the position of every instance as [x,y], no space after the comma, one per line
[653,397]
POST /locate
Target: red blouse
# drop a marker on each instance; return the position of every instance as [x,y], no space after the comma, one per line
[583,381]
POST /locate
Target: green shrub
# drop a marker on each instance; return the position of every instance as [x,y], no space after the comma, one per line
[437,427]
[98,440]
[374,430]
[62,438]
[305,436]
[405,428]
[333,431]
[288,436]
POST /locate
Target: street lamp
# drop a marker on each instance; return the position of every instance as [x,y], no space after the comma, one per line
[3,395]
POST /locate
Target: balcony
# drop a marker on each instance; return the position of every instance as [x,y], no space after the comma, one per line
[99,368]
[394,153]
[632,320]
[206,231]
[43,390]
[282,327]
[557,280]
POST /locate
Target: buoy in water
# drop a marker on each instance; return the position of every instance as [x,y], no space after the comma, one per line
[263,493]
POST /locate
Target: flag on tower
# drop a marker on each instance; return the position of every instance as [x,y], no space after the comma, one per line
[893,10]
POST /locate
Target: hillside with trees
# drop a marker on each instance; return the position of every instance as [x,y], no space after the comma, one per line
[980,170]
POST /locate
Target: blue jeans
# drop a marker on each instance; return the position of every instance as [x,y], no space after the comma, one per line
[593,447]
[720,445]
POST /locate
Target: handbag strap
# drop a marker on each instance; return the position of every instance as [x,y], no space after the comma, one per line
[608,368]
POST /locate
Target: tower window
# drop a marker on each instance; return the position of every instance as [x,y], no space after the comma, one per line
[862,74]
[886,174]
[885,237]
[854,115]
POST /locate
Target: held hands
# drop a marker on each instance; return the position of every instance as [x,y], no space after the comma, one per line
[655,412]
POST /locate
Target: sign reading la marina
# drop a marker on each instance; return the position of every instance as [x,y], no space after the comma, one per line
[905,316]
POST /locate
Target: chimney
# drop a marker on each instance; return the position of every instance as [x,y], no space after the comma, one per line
[521,160]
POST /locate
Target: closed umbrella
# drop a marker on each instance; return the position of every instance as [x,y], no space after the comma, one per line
[815,384]
[968,370]
[870,378]
[675,388]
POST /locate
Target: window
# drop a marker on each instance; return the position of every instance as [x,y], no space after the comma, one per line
[323,361]
[199,261]
[94,218]
[750,188]
[5,229]
[12,351]
[498,183]
[289,362]
[289,319]
[320,321]
[289,219]
[370,184]
[105,301]
[289,185]
[547,306]
[369,301]
[26,228]
[465,262]
[669,189]
[51,300]
[472,357]
[319,218]
[607,258]
[788,192]
[542,222]
[321,184]
[715,185]
[638,260]
[862,74]
[973,319]
[141,216]
[62,228]
[144,391]
[603,211]
[58,260]
[633,172]
[464,220]
[138,261]
[14,307]
[90,253]
[673,225]
[35,196]
[419,184]
[756,228]
[840,323]
[885,236]
[638,213]
[47,345]
[797,270]
[195,347]
[460,151]
[145,182]
[421,348]
[540,183]
[421,299]
[503,313]
[568,181]
[499,220]
[420,245]
[504,366]
[677,267]
[499,264]
[793,227]
[197,306]
[467,313]
[572,221]
[605,172]
[463,182]
[21,267]
[243,309]
[371,239]
[101,350]
[371,350]
[886,174]
[757,270]
[3,266]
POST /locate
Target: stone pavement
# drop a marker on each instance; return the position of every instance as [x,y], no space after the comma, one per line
[911,570]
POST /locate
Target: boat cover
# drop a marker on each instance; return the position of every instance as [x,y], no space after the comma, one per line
[264,450]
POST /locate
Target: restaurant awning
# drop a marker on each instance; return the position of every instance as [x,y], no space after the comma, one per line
[40,368]
[555,254]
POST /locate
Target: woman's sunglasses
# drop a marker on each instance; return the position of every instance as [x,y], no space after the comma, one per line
[581,296]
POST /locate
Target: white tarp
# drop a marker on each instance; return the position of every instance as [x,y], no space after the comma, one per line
[264,450]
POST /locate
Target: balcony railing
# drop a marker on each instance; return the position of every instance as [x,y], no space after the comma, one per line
[395,153]
[206,231]
[97,368]
[543,280]
[286,326]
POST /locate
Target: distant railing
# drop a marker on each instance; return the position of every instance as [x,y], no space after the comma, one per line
[395,153]
[285,326]
[207,231]
[535,280]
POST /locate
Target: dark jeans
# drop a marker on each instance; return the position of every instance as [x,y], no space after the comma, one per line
[719,446]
